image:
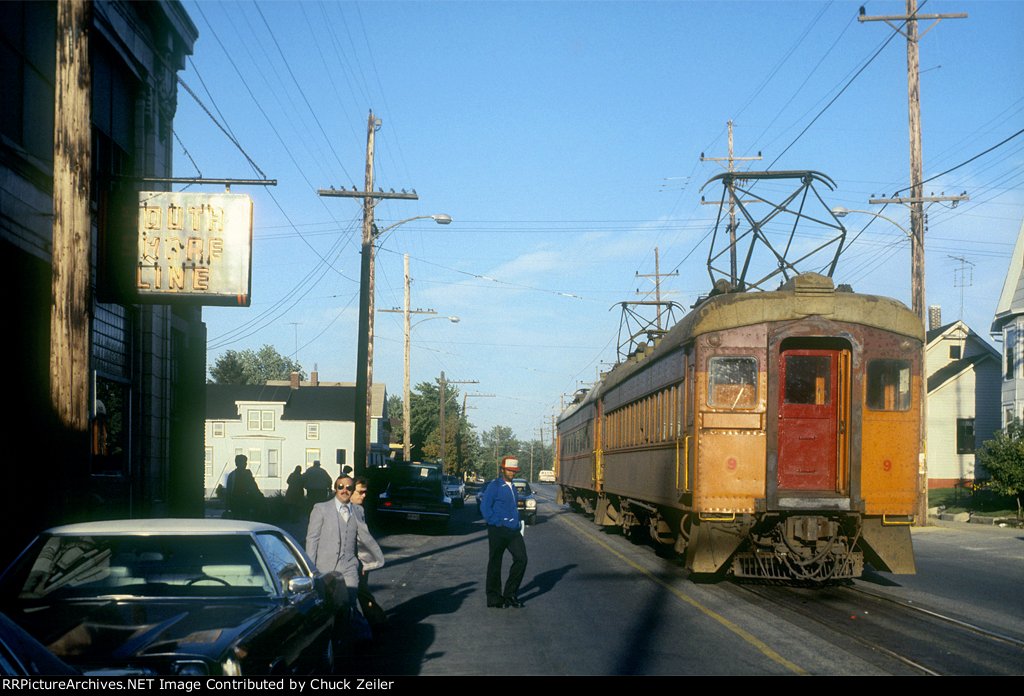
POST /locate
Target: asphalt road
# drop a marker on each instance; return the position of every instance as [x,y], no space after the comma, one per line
[598,605]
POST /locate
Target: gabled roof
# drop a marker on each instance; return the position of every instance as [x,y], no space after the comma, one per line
[954,369]
[335,402]
[1011,299]
[221,398]
[946,329]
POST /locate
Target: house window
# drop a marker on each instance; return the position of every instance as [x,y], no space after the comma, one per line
[954,352]
[255,461]
[260,419]
[274,463]
[1009,343]
[965,436]
[312,455]
[27,62]
[312,431]
[208,464]
[218,429]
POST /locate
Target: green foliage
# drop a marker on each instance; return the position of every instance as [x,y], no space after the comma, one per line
[425,427]
[253,367]
[1003,459]
[496,443]
[395,410]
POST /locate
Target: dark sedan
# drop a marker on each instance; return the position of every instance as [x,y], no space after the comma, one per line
[178,597]
[415,492]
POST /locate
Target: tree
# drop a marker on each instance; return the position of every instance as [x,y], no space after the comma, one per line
[496,443]
[1003,459]
[253,367]
[425,420]
[395,410]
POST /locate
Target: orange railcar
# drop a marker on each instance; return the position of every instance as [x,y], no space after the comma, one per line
[770,435]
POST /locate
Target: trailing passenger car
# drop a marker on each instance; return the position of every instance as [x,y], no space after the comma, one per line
[173,596]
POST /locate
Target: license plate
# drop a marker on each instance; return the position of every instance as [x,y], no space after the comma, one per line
[412,516]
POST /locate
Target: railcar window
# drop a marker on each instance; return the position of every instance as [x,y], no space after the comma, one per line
[807,379]
[732,382]
[888,385]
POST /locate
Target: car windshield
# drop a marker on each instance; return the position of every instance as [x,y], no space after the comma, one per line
[72,567]
[523,487]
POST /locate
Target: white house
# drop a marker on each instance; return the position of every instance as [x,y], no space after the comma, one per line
[1008,326]
[283,424]
[963,401]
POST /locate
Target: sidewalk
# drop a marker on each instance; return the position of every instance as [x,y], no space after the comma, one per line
[969,518]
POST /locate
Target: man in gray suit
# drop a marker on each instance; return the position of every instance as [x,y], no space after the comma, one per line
[337,539]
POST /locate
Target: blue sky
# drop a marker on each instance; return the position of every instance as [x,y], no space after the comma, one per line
[565,141]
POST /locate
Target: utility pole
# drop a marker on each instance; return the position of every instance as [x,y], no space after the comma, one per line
[72,240]
[963,277]
[657,275]
[732,202]
[406,387]
[916,202]
[364,348]
[295,325]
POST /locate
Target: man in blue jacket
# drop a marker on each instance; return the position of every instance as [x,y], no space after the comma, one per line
[504,531]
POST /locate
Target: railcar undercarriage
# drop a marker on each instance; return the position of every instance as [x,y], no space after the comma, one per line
[804,548]
[813,548]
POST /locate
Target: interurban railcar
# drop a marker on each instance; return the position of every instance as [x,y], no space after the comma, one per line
[771,435]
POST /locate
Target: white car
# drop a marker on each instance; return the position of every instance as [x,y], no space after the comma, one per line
[546,476]
[455,488]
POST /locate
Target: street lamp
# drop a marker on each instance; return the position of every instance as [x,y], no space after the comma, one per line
[918,302]
[364,357]
[839,211]
[406,419]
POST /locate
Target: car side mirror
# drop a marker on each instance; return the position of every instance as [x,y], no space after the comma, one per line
[300,585]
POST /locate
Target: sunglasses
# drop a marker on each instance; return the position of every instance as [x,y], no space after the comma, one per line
[345,488]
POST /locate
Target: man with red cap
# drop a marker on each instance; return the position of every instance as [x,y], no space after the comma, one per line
[504,531]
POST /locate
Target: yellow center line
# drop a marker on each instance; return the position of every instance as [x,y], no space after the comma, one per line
[750,638]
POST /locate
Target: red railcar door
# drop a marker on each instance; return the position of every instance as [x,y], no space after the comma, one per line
[808,420]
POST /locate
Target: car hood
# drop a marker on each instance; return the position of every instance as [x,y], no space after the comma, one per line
[108,632]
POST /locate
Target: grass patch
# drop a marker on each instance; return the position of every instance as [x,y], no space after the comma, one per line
[980,502]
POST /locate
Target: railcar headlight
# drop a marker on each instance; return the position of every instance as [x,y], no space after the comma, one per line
[231,667]
[531,504]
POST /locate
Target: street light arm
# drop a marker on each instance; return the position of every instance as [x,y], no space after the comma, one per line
[440,219]
[839,212]
[454,320]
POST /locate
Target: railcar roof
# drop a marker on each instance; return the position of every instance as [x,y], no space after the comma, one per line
[806,295]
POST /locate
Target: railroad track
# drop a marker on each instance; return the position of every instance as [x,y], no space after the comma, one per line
[896,636]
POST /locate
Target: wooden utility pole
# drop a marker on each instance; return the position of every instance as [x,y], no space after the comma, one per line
[657,275]
[732,201]
[364,348]
[71,300]
[406,386]
[916,201]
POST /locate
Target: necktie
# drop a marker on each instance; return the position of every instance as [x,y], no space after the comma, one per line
[344,512]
